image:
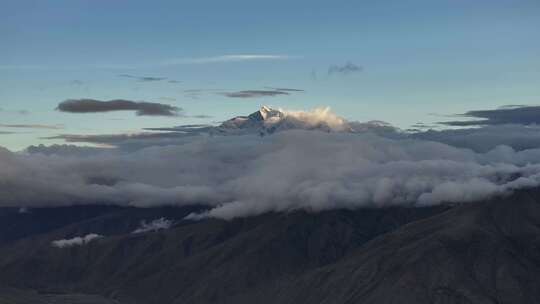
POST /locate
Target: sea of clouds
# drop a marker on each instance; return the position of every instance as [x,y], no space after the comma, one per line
[249,174]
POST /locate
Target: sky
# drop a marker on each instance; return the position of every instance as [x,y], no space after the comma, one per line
[402,62]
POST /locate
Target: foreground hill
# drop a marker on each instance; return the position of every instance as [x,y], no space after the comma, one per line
[486,252]
[479,253]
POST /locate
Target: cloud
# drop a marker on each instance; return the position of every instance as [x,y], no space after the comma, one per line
[243,175]
[196,93]
[76,82]
[201,116]
[76,241]
[286,89]
[167,98]
[516,114]
[153,226]
[140,108]
[347,68]
[63,150]
[254,93]
[260,123]
[143,78]
[311,161]
[32,126]
[127,140]
[483,139]
[232,58]
[20,112]
[226,59]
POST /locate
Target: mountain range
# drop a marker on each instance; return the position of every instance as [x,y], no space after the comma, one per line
[269,120]
[143,242]
[483,252]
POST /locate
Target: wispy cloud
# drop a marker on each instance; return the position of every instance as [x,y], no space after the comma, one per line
[202,116]
[254,93]
[285,89]
[226,58]
[513,114]
[76,82]
[167,98]
[20,112]
[271,92]
[24,67]
[143,78]
[347,68]
[153,226]
[164,63]
[109,140]
[32,126]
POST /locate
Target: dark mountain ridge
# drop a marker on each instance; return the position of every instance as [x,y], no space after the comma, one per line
[484,252]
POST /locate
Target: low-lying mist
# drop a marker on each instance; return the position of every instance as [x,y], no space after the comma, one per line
[301,164]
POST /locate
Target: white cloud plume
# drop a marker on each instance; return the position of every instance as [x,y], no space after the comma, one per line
[155,225]
[247,174]
[76,241]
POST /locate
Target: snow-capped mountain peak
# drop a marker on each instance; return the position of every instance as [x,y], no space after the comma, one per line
[268,120]
[266,113]
[255,121]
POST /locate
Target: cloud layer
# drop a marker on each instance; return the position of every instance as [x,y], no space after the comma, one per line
[95,106]
[248,175]
[483,139]
[312,161]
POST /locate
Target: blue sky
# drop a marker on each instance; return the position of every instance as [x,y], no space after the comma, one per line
[417,58]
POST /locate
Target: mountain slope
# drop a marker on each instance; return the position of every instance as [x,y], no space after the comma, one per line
[197,262]
[17,296]
[480,253]
[484,252]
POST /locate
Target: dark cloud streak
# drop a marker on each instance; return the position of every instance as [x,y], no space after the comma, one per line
[254,93]
[523,115]
[32,126]
[141,108]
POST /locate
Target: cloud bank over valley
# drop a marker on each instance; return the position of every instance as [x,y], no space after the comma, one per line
[277,161]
